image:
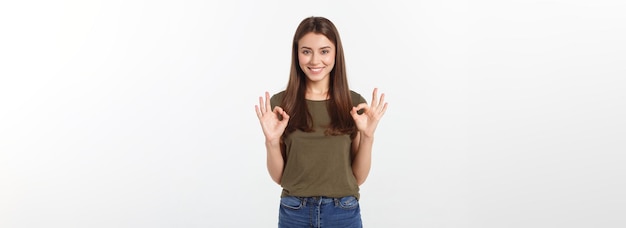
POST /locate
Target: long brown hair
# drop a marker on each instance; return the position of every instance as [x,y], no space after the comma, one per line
[340,102]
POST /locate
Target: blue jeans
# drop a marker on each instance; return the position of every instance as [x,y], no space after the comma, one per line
[319,212]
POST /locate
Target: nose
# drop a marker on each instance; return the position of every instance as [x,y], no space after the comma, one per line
[315,59]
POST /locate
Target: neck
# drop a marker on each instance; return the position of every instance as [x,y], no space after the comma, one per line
[317,91]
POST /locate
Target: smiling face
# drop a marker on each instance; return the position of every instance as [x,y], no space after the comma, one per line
[316,57]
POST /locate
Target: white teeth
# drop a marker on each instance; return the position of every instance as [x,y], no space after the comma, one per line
[316,69]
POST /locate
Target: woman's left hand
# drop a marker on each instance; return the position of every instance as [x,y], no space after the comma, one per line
[367,121]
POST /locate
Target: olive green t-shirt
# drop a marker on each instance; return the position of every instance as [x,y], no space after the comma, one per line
[318,164]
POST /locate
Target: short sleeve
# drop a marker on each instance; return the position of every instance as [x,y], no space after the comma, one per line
[276,99]
[357,98]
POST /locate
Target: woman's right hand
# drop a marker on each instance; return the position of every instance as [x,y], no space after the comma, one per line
[272,126]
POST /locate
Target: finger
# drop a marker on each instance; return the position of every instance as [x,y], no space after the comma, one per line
[284,115]
[384,109]
[353,112]
[374,97]
[361,109]
[261,105]
[361,106]
[258,111]
[382,101]
[268,106]
[278,110]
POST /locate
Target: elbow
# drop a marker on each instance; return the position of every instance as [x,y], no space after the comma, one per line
[360,181]
[360,174]
[277,180]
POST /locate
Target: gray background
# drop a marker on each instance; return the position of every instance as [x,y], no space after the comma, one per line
[141,113]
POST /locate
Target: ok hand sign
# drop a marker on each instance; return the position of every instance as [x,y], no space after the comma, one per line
[366,122]
[273,127]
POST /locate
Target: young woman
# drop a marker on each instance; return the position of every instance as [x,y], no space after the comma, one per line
[319,133]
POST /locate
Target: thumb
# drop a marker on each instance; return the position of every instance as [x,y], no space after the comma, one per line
[279,111]
[285,116]
[353,112]
[359,107]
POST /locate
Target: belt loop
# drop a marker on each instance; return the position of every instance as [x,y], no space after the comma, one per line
[336,202]
[303,201]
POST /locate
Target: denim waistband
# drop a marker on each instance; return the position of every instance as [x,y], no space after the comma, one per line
[321,200]
[318,199]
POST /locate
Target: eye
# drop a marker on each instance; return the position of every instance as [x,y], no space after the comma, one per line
[325,51]
[306,52]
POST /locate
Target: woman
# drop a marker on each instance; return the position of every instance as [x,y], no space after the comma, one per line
[319,133]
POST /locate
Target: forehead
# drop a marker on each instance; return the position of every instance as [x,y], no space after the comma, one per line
[315,41]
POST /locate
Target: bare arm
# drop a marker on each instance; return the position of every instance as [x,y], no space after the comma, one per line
[273,129]
[362,143]
[275,160]
[361,157]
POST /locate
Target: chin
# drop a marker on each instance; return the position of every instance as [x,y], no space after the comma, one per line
[315,78]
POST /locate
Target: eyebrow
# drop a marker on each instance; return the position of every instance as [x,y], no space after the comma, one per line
[312,48]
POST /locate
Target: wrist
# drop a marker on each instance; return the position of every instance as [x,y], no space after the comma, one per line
[366,135]
[272,142]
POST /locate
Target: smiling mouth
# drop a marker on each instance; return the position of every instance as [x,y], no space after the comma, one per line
[316,69]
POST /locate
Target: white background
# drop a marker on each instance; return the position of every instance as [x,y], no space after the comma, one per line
[141,113]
